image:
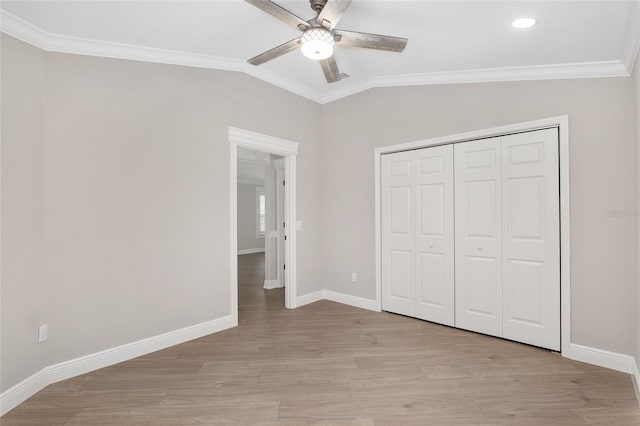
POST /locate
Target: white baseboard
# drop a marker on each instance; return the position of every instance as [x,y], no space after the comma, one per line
[271,284]
[22,391]
[250,251]
[636,378]
[602,358]
[309,298]
[334,296]
[347,299]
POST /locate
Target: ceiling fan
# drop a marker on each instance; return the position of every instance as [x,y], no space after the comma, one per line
[319,35]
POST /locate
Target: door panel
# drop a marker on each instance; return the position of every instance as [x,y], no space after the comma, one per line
[400,266]
[400,210]
[434,242]
[398,233]
[481,200]
[432,209]
[478,257]
[531,249]
[526,208]
[482,273]
[417,234]
[525,299]
[432,279]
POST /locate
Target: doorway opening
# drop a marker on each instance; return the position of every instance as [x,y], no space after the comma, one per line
[269,230]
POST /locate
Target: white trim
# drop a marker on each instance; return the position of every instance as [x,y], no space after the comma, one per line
[562,123]
[271,284]
[305,299]
[602,358]
[636,378]
[233,231]
[22,391]
[27,32]
[265,143]
[250,251]
[260,191]
[348,299]
[277,146]
[632,37]
[488,75]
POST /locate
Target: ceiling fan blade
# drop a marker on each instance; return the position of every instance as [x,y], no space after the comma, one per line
[275,52]
[369,41]
[332,12]
[281,13]
[330,70]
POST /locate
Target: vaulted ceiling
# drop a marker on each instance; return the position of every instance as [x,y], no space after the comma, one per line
[453,41]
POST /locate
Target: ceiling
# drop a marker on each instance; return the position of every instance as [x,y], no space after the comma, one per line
[252,166]
[453,41]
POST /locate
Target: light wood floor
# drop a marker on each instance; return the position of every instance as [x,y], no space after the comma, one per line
[331,364]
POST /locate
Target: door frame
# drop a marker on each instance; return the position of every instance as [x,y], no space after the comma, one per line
[289,150]
[560,122]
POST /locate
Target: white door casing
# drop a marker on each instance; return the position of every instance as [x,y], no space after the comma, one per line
[434,237]
[531,238]
[478,240]
[279,165]
[289,150]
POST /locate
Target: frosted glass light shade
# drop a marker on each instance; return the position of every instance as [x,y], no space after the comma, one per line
[522,23]
[317,43]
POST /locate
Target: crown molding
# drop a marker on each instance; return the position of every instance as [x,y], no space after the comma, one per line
[29,33]
[537,72]
[632,37]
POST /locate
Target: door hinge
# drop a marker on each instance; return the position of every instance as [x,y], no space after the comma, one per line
[284,225]
[285,238]
[282,183]
[284,266]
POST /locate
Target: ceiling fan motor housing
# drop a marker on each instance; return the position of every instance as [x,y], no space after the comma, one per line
[317,5]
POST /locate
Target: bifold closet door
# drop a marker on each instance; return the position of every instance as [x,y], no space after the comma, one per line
[478,239]
[398,231]
[417,234]
[434,245]
[531,238]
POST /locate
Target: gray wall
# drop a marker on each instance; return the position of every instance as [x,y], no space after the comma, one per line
[24,289]
[247,218]
[603,176]
[135,165]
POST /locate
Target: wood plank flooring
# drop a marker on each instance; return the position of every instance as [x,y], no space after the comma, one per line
[330,364]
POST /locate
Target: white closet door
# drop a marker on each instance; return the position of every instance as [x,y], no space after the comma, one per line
[478,239]
[434,244]
[398,233]
[531,229]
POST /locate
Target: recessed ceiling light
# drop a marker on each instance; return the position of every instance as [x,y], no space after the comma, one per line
[521,23]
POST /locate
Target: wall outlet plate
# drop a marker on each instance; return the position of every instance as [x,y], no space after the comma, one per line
[43,333]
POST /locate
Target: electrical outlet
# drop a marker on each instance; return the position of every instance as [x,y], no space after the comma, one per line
[42,333]
[354,277]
